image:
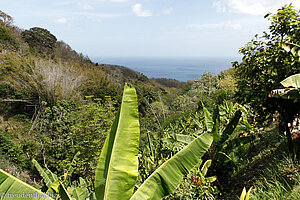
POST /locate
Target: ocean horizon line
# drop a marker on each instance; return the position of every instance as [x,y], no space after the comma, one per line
[179,68]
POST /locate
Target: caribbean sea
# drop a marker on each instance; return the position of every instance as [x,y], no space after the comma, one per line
[179,68]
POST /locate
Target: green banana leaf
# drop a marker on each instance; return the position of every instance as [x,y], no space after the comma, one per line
[230,127]
[212,122]
[216,125]
[292,94]
[184,138]
[48,176]
[117,169]
[71,169]
[245,195]
[208,119]
[205,167]
[80,192]
[13,188]
[167,177]
[292,81]
[63,192]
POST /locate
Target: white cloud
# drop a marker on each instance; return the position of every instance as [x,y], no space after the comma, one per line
[138,10]
[251,7]
[61,20]
[114,1]
[84,6]
[216,26]
[118,1]
[98,20]
[167,11]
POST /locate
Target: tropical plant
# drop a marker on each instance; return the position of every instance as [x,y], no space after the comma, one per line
[63,185]
[118,164]
[245,195]
[265,63]
[288,101]
[196,185]
[11,187]
[293,85]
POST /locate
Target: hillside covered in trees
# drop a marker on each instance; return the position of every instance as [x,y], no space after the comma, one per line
[57,109]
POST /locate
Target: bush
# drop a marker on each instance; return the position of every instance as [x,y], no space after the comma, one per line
[66,128]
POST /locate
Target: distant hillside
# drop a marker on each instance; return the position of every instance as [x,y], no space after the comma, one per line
[25,54]
[168,82]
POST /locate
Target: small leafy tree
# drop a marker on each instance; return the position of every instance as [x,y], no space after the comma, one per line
[40,39]
[5,18]
[266,63]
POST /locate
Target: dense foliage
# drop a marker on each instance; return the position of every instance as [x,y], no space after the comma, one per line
[266,63]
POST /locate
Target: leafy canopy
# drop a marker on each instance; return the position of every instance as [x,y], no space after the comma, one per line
[266,63]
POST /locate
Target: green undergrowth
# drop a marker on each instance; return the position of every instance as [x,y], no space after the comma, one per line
[268,168]
[281,180]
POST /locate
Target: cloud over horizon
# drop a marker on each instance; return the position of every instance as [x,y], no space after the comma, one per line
[215,26]
[61,20]
[167,11]
[251,7]
[140,12]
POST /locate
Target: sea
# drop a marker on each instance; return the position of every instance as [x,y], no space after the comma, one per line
[179,68]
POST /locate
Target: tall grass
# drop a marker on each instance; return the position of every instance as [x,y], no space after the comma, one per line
[281,180]
[45,80]
[55,81]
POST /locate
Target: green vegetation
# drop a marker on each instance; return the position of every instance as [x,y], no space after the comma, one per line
[70,130]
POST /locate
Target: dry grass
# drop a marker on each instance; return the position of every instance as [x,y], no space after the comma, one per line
[51,81]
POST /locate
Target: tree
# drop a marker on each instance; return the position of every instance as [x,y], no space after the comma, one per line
[40,39]
[266,63]
[5,18]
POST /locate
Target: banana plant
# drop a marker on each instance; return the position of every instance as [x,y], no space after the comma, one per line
[245,195]
[167,177]
[292,84]
[117,169]
[203,173]
[212,124]
[13,188]
[57,185]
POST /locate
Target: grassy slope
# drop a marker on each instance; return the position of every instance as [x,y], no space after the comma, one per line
[270,171]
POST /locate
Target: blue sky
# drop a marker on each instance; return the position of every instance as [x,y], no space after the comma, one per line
[102,28]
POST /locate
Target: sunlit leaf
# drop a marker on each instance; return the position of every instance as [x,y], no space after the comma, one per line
[167,177]
[117,169]
[13,188]
[292,81]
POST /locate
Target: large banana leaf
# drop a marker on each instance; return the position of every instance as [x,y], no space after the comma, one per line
[47,175]
[13,188]
[71,169]
[292,81]
[230,127]
[212,122]
[117,169]
[81,191]
[208,119]
[168,176]
[205,167]
[216,124]
[184,138]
